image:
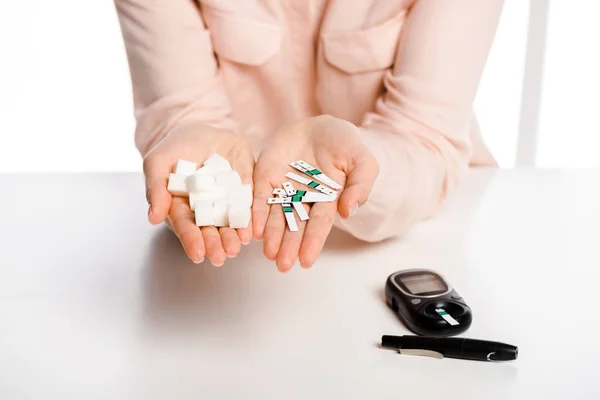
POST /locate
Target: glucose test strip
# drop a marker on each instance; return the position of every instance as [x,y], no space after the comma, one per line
[289,189]
[314,172]
[444,314]
[312,184]
[302,197]
[290,198]
[300,210]
[287,212]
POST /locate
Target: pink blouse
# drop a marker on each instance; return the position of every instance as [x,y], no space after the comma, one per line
[405,71]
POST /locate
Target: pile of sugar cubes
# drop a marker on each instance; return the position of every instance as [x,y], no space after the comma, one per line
[216,193]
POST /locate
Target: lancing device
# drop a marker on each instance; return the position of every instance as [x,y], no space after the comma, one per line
[462,348]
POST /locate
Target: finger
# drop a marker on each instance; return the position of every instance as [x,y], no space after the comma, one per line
[214,246]
[319,225]
[157,195]
[274,232]
[182,221]
[289,250]
[360,178]
[245,234]
[231,241]
[260,209]
[245,168]
[243,164]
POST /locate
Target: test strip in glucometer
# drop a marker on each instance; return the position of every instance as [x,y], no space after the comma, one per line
[314,172]
[444,314]
[312,184]
[290,191]
[287,210]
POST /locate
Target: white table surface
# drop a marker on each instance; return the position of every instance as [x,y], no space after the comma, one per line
[96,303]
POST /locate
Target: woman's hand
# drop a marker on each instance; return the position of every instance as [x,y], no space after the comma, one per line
[333,146]
[196,142]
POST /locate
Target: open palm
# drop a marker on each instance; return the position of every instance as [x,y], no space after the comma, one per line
[332,145]
[196,143]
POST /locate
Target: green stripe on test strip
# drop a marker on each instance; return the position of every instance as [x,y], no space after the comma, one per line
[297,198]
[442,312]
[287,209]
[313,184]
[315,172]
[300,192]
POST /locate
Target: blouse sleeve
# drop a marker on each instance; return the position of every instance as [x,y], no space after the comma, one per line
[174,73]
[419,130]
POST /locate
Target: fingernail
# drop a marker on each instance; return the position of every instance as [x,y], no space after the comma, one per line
[246,243]
[353,210]
[217,265]
[232,256]
[200,261]
[149,211]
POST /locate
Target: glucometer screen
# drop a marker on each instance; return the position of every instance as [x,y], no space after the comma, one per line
[423,283]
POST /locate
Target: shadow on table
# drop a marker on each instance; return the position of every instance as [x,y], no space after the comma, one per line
[438,243]
[178,294]
[341,242]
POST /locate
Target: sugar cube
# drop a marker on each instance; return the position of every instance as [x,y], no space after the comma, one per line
[183,167]
[204,213]
[202,196]
[200,183]
[207,169]
[217,193]
[217,163]
[239,215]
[228,178]
[176,185]
[220,193]
[220,213]
[240,194]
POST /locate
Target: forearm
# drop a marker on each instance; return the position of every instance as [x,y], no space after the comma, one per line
[202,105]
[173,71]
[419,130]
[415,177]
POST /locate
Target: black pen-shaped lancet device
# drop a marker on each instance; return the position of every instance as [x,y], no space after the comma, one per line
[463,348]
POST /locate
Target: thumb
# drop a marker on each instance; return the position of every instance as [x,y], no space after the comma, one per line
[157,195]
[363,171]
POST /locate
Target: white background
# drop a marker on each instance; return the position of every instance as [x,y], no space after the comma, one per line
[65,96]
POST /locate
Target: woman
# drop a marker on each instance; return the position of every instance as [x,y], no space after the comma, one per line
[377,93]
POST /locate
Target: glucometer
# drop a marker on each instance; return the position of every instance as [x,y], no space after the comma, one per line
[427,303]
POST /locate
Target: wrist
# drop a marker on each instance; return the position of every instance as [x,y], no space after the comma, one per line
[146,143]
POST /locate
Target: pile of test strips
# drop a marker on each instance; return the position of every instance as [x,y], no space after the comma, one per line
[216,193]
[289,197]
